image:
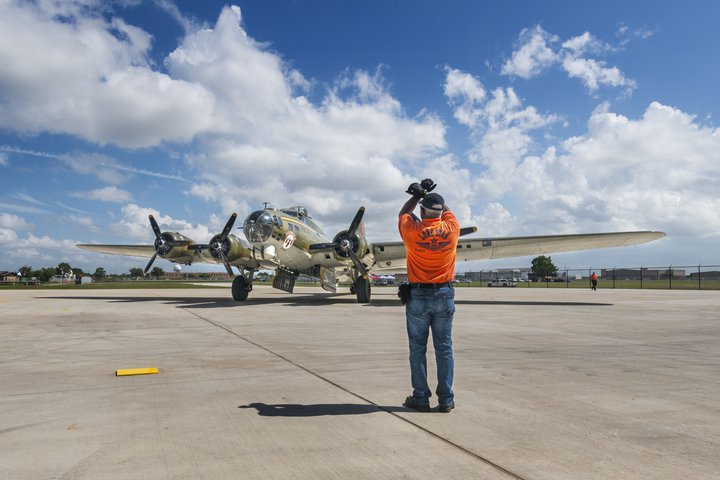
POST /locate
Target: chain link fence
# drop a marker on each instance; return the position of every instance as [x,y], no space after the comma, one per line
[680,277]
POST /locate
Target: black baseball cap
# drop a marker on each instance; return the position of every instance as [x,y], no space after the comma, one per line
[433,201]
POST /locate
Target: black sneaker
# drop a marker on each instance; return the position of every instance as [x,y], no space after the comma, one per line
[420,407]
[446,408]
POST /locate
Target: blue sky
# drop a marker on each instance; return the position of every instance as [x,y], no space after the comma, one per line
[533,117]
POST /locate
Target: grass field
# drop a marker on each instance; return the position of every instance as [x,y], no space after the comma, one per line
[628,284]
[109,285]
[603,284]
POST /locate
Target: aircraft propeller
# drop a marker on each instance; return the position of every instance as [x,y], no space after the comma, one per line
[217,244]
[467,231]
[345,243]
[163,243]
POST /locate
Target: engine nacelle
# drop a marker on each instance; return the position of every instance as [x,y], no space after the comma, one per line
[235,248]
[232,247]
[167,251]
[357,243]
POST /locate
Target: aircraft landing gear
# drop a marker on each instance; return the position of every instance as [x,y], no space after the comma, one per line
[362,289]
[241,287]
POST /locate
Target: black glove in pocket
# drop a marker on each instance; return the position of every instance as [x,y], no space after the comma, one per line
[404,293]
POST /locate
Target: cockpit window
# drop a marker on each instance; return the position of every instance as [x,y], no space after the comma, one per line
[298,212]
[301,214]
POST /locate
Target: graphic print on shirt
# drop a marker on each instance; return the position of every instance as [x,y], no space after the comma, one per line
[436,239]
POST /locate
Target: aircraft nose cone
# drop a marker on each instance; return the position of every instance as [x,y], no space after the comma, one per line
[258,227]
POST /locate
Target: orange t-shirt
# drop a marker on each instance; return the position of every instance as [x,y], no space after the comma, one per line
[431,247]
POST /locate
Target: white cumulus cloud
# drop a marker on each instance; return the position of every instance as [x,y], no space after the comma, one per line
[594,74]
[533,55]
[500,125]
[7,236]
[659,171]
[466,94]
[67,70]
[536,53]
[256,136]
[106,194]
[13,222]
[134,224]
[274,144]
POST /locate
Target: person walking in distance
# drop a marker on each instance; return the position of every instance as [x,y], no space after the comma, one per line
[430,243]
[593,280]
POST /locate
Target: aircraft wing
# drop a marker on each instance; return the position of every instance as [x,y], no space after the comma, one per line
[181,256]
[146,251]
[390,256]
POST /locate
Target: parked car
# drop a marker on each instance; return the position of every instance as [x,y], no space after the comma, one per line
[502,282]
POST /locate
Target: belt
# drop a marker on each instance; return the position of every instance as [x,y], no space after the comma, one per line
[430,285]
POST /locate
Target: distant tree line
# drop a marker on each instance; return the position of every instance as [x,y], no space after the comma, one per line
[542,267]
[100,274]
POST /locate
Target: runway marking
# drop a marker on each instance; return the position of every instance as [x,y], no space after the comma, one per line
[366,400]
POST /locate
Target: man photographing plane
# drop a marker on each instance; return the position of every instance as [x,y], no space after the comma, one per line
[430,245]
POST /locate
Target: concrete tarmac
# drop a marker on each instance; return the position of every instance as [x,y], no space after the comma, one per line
[550,384]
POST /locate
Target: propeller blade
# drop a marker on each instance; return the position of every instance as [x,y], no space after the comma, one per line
[227,264]
[354,225]
[356,222]
[150,262]
[467,230]
[358,264]
[155,227]
[223,236]
[322,246]
[228,227]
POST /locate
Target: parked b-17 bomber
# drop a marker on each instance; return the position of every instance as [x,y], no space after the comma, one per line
[288,241]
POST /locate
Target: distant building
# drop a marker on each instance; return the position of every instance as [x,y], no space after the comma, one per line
[710,275]
[646,273]
[9,277]
[485,275]
[63,279]
[516,273]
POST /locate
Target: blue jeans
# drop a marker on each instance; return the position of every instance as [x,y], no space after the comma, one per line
[431,309]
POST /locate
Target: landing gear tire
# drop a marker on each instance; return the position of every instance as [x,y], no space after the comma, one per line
[362,289]
[240,288]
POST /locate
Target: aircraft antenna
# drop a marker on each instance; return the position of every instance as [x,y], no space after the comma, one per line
[265,205]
